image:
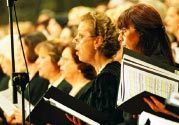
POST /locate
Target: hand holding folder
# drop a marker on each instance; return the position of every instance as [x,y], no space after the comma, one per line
[143,76]
[74,120]
[57,104]
[157,106]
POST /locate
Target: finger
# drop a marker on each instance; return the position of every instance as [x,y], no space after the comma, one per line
[157,102]
[69,117]
[79,122]
[150,103]
[75,121]
[10,118]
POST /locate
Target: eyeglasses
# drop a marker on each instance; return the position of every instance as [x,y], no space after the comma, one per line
[122,31]
[79,38]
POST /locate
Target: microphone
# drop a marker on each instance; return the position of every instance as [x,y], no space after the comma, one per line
[19,79]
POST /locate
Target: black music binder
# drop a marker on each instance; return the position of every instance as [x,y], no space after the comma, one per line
[55,104]
[136,104]
[143,76]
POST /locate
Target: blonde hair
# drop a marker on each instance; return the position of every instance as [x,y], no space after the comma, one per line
[75,13]
[102,25]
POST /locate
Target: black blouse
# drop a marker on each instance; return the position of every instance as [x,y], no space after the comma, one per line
[103,93]
[36,88]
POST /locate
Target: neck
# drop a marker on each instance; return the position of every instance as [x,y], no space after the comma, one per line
[54,77]
[32,69]
[77,79]
[101,63]
[79,83]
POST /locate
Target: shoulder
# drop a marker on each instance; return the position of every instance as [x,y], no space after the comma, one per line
[112,68]
[109,75]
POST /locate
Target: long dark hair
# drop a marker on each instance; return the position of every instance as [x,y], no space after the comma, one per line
[148,23]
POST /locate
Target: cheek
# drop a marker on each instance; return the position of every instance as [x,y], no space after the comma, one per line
[132,40]
[87,54]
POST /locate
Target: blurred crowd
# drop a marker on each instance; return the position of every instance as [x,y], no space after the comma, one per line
[63,27]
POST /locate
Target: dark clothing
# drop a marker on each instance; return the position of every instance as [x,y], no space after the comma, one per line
[81,95]
[4,82]
[36,88]
[64,86]
[2,118]
[103,93]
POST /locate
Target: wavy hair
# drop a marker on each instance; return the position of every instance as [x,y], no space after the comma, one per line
[105,27]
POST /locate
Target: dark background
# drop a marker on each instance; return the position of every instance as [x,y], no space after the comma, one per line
[29,9]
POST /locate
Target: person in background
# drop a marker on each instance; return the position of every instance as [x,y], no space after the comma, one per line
[3,78]
[55,26]
[171,22]
[158,5]
[37,85]
[77,73]
[142,30]
[75,13]
[42,21]
[47,61]
[96,44]
[68,33]
[6,65]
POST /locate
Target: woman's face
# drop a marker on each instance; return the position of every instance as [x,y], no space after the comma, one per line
[129,38]
[45,64]
[85,42]
[172,20]
[66,35]
[54,28]
[67,64]
[5,65]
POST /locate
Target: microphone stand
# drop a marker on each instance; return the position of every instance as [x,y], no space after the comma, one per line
[18,79]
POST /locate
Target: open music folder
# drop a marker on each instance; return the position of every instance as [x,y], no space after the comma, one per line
[7,105]
[143,76]
[55,104]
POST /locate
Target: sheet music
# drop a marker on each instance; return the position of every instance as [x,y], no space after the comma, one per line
[7,105]
[138,76]
[154,120]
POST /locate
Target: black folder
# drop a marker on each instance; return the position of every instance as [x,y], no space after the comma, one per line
[154,60]
[143,76]
[49,110]
[136,104]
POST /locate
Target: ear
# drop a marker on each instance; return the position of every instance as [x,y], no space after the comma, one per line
[98,42]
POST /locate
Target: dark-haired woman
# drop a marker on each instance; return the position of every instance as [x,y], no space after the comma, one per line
[142,30]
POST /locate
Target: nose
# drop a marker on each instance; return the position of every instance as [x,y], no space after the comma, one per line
[37,61]
[120,38]
[59,62]
[75,40]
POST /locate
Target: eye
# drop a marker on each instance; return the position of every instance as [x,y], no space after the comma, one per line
[122,31]
[80,36]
